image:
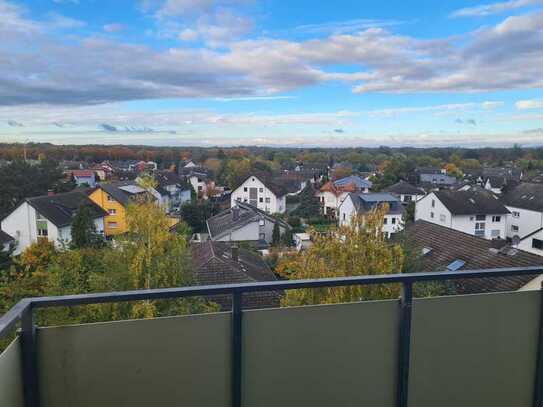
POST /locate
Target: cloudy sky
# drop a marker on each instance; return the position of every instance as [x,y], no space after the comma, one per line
[272,72]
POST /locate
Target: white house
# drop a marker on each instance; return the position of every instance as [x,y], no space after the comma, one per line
[332,194]
[49,218]
[265,195]
[359,204]
[532,243]
[525,202]
[244,223]
[473,212]
[406,192]
[174,192]
[5,241]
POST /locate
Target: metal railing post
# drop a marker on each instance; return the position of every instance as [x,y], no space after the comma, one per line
[29,358]
[538,385]
[237,297]
[406,305]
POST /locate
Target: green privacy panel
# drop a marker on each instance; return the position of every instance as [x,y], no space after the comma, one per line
[330,355]
[11,385]
[178,361]
[476,350]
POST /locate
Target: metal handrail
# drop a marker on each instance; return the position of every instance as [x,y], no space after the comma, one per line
[23,311]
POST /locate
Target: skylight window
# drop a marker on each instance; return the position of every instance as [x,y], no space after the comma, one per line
[426,250]
[456,265]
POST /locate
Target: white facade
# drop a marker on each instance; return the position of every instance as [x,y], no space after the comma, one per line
[302,241]
[254,192]
[488,226]
[22,225]
[532,243]
[199,185]
[407,198]
[522,222]
[392,223]
[330,202]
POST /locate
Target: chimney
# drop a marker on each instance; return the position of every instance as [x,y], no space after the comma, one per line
[235,253]
[50,192]
[235,213]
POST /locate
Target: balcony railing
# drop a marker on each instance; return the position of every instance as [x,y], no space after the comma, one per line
[475,350]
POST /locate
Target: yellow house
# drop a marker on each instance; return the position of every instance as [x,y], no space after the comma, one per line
[114,199]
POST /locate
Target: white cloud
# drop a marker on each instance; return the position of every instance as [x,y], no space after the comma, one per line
[345,27]
[114,27]
[494,8]
[188,34]
[529,104]
[437,110]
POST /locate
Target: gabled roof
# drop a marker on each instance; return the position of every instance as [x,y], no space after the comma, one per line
[212,263]
[471,202]
[228,220]
[83,173]
[405,188]
[123,192]
[166,178]
[278,189]
[443,246]
[5,238]
[61,208]
[526,196]
[368,202]
[358,182]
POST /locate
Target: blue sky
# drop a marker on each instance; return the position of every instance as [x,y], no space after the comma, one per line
[233,72]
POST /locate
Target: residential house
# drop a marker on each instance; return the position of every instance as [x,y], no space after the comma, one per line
[435,178]
[262,193]
[49,218]
[495,179]
[406,192]
[114,199]
[244,223]
[477,213]
[85,178]
[6,241]
[199,179]
[332,194]
[525,202]
[174,191]
[360,203]
[440,248]
[223,263]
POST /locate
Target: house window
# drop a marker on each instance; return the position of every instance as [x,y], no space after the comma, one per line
[261,200]
[496,219]
[112,225]
[112,211]
[514,228]
[480,226]
[407,198]
[393,221]
[110,198]
[432,215]
[261,189]
[442,218]
[262,236]
[516,214]
[268,200]
[345,217]
[480,217]
[200,187]
[433,203]
[385,221]
[537,244]
[262,222]
[244,189]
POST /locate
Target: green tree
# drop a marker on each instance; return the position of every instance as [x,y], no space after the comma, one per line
[84,230]
[276,234]
[309,204]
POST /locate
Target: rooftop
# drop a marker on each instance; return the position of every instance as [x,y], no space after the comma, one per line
[471,202]
[526,196]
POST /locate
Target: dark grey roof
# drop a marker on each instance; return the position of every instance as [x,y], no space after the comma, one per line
[166,178]
[445,245]
[358,182]
[61,208]
[5,238]
[213,264]
[404,188]
[471,202]
[228,221]
[120,195]
[371,201]
[525,196]
[429,170]
[276,187]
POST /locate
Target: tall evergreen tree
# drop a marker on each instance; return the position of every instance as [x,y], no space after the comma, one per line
[276,234]
[83,229]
